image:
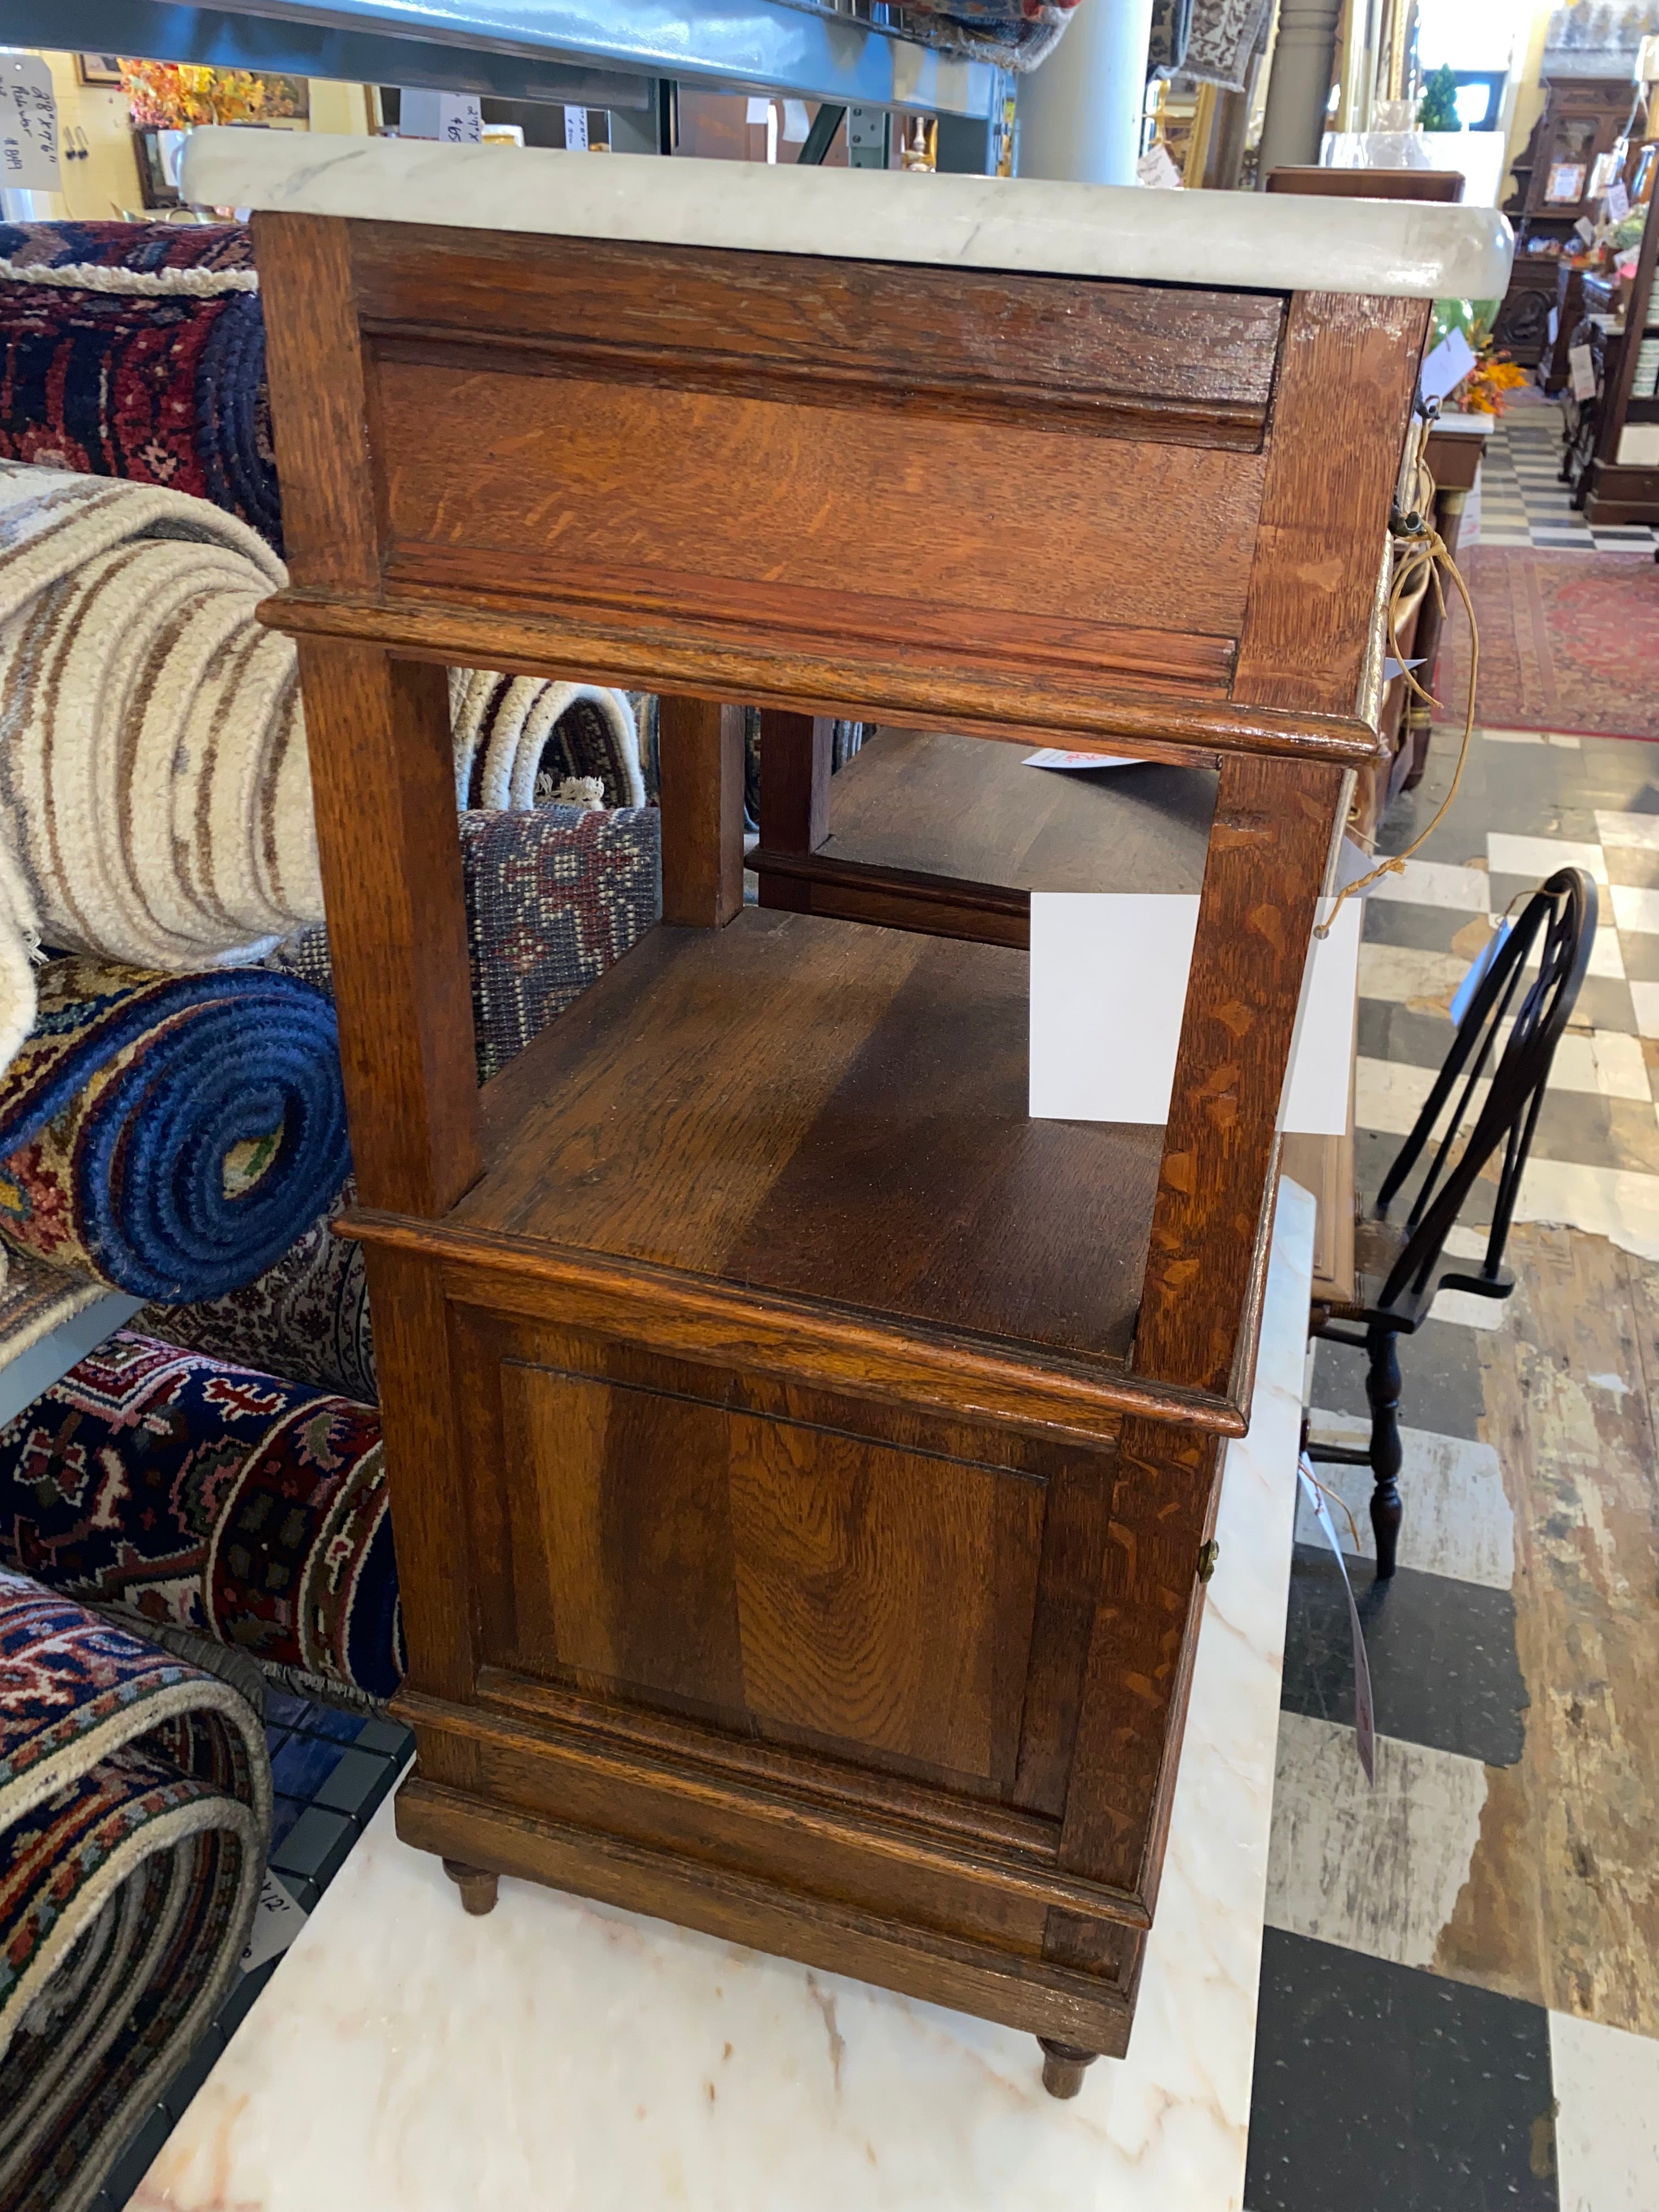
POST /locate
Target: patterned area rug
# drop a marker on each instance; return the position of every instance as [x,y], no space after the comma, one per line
[135,1801]
[170,1134]
[152,367]
[183,1490]
[1567,643]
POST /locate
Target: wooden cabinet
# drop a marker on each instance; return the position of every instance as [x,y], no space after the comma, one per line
[804,1461]
[1582,121]
[1613,460]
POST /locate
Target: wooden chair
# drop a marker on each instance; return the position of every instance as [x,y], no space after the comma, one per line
[1399,1267]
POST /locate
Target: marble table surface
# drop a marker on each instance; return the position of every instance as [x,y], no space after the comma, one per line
[562,2056]
[1278,241]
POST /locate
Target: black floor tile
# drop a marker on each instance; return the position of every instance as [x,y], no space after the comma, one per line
[1389,1030]
[1440,1370]
[1380,2088]
[303,1764]
[1442,1659]
[357,1784]
[243,1998]
[195,2070]
[1427,928]
[316,1847]
[140,2155]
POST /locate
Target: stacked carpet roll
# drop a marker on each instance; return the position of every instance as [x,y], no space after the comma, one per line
[554,898]
[135,1801]
[170,1135]
[192,1493]
[138,350]
[524,741]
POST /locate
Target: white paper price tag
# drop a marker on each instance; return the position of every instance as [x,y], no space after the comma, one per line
[277,1921]
[1582,363]
[1617,203]
[456,118]
[575,130]
[29,125]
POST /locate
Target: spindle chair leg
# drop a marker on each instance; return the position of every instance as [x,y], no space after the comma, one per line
[1382,1391]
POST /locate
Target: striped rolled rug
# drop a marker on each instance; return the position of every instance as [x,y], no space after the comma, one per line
[135,1802]
[170,1135]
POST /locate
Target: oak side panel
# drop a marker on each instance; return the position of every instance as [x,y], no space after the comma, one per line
[319,402]
[1268,845]
[1124,359]
[700,779]
[383,788]
[430,1470]
[570,490]
[1339,414]
[1139,1657]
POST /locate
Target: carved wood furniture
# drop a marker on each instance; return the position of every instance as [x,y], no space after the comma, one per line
[1582,119]
[1618,484]
[804,1462]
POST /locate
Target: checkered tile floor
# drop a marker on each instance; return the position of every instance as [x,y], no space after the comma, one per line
[1455,2011]
[1523,500]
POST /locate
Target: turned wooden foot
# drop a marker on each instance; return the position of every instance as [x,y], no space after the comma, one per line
[1064,2066]
[478,1890]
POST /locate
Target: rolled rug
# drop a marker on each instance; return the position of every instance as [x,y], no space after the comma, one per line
[170,1135]
[135,1803]
[154,778]
[523,741]
[188,1491]
[553,898]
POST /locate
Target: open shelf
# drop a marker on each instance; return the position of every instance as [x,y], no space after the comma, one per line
[793,1105]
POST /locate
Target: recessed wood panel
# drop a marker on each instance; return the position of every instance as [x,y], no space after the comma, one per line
[1128,360]
[884,1598]
[578,491]
[770,1574]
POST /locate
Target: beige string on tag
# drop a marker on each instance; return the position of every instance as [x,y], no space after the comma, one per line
[1424,544]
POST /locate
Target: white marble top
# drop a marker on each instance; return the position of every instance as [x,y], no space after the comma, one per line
[1277,242]
[559,2054]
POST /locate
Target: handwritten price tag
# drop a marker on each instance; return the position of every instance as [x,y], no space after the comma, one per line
[29,125]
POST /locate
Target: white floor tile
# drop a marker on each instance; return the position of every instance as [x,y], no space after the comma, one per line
[1458,1519]
[1377,1870]
[1636,907]
[1534,737]
[1605,1063]
[1607,2113]
[1438,883]
[1389,1095]
[1463,1309]
[1541,856]
[1644,997]
[1638,833]
[1404,974]
[1617,1203]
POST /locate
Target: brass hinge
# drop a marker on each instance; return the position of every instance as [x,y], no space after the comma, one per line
[1208,1556]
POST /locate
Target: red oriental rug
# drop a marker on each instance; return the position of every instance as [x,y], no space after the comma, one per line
[1569,642]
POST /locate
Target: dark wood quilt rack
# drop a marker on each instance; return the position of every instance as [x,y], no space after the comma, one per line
[803,1463]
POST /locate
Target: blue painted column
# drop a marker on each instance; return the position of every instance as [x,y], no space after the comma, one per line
[1079,113]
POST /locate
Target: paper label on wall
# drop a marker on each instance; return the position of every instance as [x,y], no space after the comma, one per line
[1445,367]
[575,130]
[456,118]
[29,125]
[1109,987]
[795,123]
[1582,363]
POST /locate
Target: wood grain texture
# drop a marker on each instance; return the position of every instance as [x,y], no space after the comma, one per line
[1340,413]
[794,790]
[1274,826]
[797,1107]
[700,776]
[1102,695]
[549,493]
[319,402]
[383,782]
[1140,1661]
[892,1953]
[1114,358]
